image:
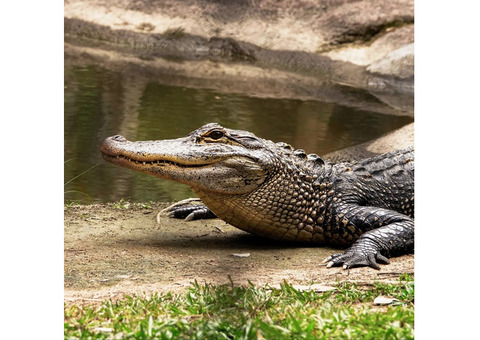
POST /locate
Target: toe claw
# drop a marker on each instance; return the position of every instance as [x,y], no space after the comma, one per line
[190,217]
[189,209]
[372,262]
[352,258]
[382,259]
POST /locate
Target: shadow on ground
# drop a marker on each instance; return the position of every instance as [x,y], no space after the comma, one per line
[112,251]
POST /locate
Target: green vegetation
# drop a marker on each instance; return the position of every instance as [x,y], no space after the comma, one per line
[249,312]
[123,204]
[74,178]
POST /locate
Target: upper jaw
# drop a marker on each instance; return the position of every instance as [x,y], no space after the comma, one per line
[182,152]
[118,149]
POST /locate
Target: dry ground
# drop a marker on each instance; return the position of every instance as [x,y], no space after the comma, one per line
[117,249]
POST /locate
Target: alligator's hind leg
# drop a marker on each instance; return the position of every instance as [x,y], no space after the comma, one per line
[188,209]
[387,233]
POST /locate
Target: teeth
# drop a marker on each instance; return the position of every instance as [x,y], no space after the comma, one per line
[160,162]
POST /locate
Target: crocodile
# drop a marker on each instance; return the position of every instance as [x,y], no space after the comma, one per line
[273,190]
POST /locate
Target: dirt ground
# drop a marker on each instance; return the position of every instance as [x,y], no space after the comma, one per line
[117,249]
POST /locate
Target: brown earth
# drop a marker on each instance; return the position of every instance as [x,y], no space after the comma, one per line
[117,249]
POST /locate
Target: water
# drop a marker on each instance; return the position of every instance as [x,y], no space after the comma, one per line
[100,103]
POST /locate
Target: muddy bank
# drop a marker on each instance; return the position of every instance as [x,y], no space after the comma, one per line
[232,78]
[319,51]
[117,249]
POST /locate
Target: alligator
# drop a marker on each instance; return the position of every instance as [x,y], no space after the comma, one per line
[273,190]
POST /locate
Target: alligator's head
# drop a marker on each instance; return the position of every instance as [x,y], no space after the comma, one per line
[211,158]
[249,182]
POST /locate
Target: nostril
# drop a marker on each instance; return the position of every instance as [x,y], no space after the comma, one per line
[119,138]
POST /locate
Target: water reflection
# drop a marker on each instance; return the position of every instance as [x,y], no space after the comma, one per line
[100,103]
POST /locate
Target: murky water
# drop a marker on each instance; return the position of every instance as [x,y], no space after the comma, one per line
[100,103]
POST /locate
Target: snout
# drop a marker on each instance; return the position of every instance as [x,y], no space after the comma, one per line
[110,145]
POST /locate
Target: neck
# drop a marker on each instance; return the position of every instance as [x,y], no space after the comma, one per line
[290,205]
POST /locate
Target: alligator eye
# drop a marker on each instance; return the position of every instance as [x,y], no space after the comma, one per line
[216,134]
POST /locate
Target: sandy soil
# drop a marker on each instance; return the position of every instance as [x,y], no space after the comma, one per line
[112,251]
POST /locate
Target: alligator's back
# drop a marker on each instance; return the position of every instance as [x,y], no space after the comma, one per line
[385,181]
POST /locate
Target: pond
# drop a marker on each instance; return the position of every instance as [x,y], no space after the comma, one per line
[100,103]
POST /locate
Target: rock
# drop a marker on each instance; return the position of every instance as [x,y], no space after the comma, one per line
[368,53]
[384,300]
[360,21]
[398,63]
[398,139]
[394,73]
[330,41]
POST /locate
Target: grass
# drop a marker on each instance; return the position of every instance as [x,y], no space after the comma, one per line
[124,204]
[74,178]
[249,312]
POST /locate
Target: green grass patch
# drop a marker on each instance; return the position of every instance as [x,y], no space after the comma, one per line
[249,312]
[124,204]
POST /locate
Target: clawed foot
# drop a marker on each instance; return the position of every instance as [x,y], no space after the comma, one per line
[350,259]
[189,209]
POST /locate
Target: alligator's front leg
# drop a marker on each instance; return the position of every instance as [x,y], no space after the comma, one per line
[189,209]
[388,233]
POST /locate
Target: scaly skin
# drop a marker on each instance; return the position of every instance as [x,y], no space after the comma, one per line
[275,191]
